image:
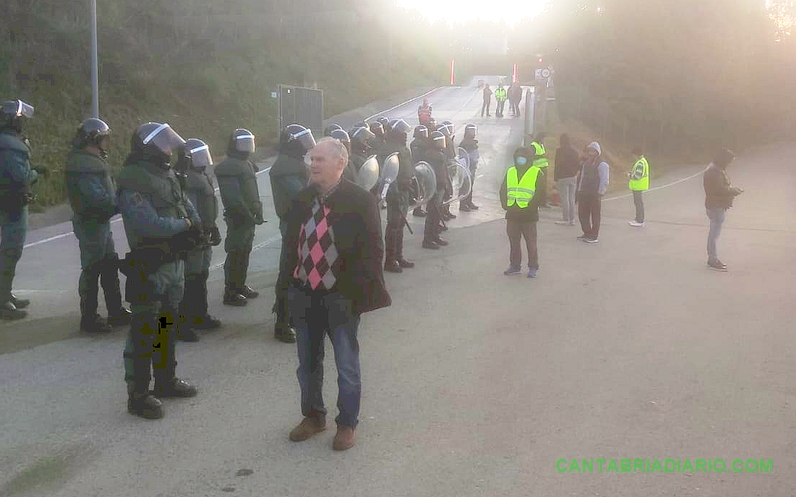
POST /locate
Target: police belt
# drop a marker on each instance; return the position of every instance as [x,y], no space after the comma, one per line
[153,253]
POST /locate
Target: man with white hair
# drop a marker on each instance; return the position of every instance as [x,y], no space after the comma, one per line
[334,260]
[592,185]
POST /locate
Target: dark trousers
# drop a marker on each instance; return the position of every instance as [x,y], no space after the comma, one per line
[397,209]
[431,227]
[98,261]
[485,106]
[515,108]
[500,105]
[589,205]
[516,231]
[468,200]
[638,200]
[238,246]
[315,315]
[13,229]
[283,281]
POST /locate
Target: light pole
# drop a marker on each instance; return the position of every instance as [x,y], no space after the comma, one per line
[94,71]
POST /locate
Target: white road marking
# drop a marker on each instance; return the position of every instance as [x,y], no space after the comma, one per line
[657,187]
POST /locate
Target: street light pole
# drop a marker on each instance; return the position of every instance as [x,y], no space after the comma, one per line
[94,70]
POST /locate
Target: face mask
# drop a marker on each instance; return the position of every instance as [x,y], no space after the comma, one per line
[521,161]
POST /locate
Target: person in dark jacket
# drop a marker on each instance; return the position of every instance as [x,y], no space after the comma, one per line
[719,196]
[243,211]
[289,175]
[418,148]
[16,178]
[193,159]
[592,185]
[398,197]
[470,144]
[487,100]
[92,197]
[519,200]
[567,164]
[335,268]
[435,156]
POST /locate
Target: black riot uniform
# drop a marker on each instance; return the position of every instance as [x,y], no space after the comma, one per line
[237,181]
[470,144]
[162,226]
[398,197]
[378,145]
[418,147]
[360,146]
[193,159]
[289,175]
[435,156]
[92,197]
[446,128]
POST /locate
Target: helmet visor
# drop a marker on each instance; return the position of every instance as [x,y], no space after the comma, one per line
[305,138]
[245,143]
[164,138]
[200,157]
[24,110]
[362,135]
[400,126]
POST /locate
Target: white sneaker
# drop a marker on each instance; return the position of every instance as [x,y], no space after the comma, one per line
[636,224]
[591,240]
[562,222]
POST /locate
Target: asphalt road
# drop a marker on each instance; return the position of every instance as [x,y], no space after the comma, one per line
[474,383]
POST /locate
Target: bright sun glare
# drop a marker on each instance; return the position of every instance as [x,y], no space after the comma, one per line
[452,11]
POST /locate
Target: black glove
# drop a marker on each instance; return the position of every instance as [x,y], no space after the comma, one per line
[215,236]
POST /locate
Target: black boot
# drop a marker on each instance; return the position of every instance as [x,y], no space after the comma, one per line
[233,298]
[418,212]
[94,324]
[390,264]
[18,302]
[142,403]
[399,253]
[393,266]
[10,312]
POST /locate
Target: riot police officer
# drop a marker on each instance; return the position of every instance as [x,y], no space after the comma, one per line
[350,172]
[237,181]
[330,128]
[359,124]
[435,156]
[16,178]
[193,158]
[92,197]
[397,197]
[446,128]
[360,146]
[418,148]
[470,144]
[161,225]
[289,175]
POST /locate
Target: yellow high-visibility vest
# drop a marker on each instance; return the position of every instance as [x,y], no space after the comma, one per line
[521,190]
[540,163]
[643,183]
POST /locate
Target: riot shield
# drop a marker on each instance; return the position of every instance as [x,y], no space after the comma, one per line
[389,173]
[424,184]
[368,174]
[463,157]
[461,181]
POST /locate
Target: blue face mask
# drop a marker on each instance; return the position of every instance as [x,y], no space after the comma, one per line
[521,161]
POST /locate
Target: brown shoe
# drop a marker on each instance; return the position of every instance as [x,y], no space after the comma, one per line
[308,427]
[344,439]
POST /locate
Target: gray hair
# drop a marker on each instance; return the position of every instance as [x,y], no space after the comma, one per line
[339,148]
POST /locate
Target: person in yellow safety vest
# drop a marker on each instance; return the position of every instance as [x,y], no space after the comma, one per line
[638,184]
[501,95]
[519,200]
[540,161]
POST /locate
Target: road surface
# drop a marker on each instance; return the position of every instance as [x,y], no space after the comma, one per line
[474,383]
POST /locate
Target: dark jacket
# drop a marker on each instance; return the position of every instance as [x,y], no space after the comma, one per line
[567,163]
[719,192]
[356,221]
[529,214]
[89,187]
[289,176]
[16,174]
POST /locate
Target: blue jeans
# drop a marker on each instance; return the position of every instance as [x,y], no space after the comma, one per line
[716,216]
[13,230]
[316,314]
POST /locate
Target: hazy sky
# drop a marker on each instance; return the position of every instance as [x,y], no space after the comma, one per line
[463,10]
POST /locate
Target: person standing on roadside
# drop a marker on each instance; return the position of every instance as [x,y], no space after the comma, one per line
[719,195]
[639,183]
[487,100]
[519,200]
[592,185]
[567,164]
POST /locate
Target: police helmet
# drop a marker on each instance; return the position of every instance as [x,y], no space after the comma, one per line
[12,112]
[450,126]
[340,134]
[296,135]
[92,131]
[431,124]
[438,140]
[384,122]
[399,126]
[420,132]
[195,154]
[445,129]
[361,136]
[156,139]
[330,128]
[377,129]
[241,141]
[470,131]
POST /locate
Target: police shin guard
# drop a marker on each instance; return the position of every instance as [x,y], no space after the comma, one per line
[88,288]
[232,286]
[137,364]
[111,287]
[164,362]
[399,251]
